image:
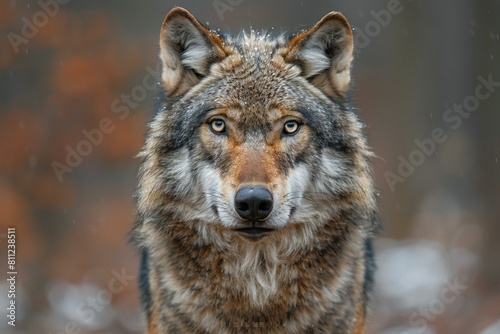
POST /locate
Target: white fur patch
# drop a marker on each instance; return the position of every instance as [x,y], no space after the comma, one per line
[332,170]
[179,169]
[315,61]
[292,197]
[313,52]
[197,53]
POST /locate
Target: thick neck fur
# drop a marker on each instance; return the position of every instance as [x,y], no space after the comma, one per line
[214,279]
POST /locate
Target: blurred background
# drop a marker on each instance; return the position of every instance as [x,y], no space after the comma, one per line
[76,92]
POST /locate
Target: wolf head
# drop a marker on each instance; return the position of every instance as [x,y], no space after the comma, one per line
[255,136]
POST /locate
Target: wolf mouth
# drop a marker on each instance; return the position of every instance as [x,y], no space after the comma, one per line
[254,231]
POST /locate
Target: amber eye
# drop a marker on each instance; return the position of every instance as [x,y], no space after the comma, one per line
[218,126]
[291,127]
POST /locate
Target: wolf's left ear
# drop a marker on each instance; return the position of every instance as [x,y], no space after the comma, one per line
[324,53]
[187,49]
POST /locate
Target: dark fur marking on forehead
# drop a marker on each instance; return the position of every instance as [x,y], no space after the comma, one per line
[323,127]
[309,115]
[329,130]
[183,128]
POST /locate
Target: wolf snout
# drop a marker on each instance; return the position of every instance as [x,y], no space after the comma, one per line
[253,202]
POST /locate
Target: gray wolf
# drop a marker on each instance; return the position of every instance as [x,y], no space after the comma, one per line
[255,203]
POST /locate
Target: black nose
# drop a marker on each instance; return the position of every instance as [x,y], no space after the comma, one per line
[253,202]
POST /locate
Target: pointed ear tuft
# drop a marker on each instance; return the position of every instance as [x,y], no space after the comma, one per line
[324,53]
[187,49]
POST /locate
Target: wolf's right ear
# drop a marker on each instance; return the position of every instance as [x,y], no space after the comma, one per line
[187,49]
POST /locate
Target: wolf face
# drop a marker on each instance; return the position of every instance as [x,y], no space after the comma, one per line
[255,193]
[256,135]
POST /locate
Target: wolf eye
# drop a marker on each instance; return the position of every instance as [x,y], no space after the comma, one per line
[291,127]
[218,126]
